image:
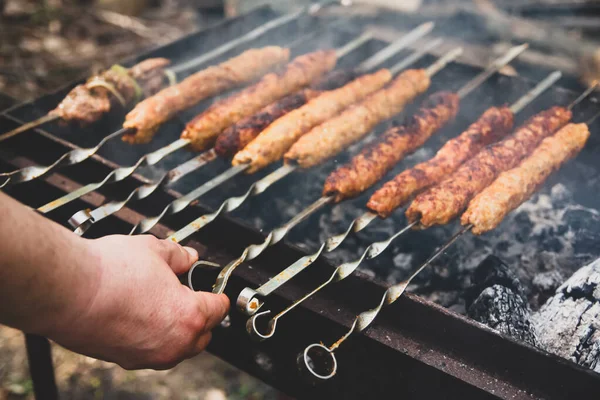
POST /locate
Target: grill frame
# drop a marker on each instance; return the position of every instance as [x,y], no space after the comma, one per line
[432,349]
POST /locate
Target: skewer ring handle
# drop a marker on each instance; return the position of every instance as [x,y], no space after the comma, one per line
[248,303]
[253,329]
[199,264]
[318,361]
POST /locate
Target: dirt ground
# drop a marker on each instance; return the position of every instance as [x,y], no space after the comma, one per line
[43,45]
[204,377]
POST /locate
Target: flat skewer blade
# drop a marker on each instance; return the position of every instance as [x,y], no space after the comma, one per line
[30,125]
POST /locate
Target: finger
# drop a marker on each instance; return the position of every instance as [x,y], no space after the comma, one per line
[200,345]
[179,258]
[214,308]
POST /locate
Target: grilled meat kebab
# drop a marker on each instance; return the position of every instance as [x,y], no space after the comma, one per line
[89,101]
[513,187]
[356,121]
[145,119]
[272,143]
[494,124]
[445,201]
[203,130]
[375,160]
[239,135]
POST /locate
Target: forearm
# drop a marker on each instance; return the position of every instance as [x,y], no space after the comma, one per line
[45,271]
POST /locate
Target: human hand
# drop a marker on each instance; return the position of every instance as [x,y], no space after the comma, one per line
[135,312]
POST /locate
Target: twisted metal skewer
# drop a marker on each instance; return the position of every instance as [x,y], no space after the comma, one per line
[79,155]
[142,192]
[83,219]
[364,319]
[122,173]
[231,203]
[181,203]
[274,237]
[74,156]
[340,273]
[248,302]
[393,293]
[187,65]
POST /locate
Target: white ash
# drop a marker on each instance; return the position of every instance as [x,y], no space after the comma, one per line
[569,323]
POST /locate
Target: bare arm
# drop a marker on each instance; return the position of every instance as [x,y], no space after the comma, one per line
[116,298]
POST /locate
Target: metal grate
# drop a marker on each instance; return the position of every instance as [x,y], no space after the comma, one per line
[460,355]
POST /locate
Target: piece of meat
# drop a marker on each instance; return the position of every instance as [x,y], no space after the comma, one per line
[445,201]
[145,119]
[513,187]
[272,143]
[374,161]
[331,137]
[151,75]
[83,105]
[203,130]
[239,135]
[494,124]
[88,102]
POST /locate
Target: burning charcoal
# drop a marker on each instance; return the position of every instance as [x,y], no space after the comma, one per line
[585,225]
[569,323]
[496,299]
[492,271]
[545,283]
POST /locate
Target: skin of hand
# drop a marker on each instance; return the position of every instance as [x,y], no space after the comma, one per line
[116,298]
[140,315]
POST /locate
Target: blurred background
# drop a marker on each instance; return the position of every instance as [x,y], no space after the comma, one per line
[47,44]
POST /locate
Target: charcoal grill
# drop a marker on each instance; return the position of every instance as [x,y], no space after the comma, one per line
[416,349]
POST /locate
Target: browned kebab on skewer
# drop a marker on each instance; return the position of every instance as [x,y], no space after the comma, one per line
[240,134]
[203,130]
[485,212]
[496,122]
[272,144]
[365,168]
[87,102]
[144,120]
[117,86]
[445,201]
[513,187]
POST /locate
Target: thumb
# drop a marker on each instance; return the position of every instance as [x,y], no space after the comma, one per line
[179,258]
[213,307]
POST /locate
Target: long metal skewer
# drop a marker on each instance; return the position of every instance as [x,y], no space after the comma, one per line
[29,125]
[77,156]
[250,304]
[148,223]
[84,219]
[232,203]
[205,158]
[120,174]
[193,63]
[248,301]
[235,202]
[362,221]
[232,44]
[74,156]
[364,319]
[365,219]
[325,356]
[278,234]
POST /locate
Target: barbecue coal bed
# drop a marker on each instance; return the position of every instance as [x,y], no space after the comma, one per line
[416,348]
